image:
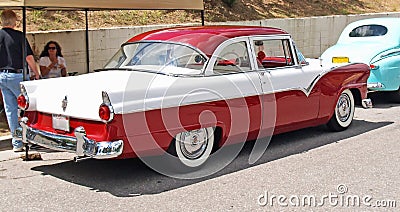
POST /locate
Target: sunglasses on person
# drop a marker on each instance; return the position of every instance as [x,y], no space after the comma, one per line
[52,48]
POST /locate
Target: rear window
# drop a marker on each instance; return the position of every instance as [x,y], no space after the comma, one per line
[368,31]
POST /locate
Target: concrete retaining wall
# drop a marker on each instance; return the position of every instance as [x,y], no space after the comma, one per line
[312,35]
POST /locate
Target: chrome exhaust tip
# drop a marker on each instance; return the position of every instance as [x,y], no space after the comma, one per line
[78,159]
[367,103]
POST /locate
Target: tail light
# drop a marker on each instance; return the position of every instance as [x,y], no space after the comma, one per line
[106,111]
[373,67]
[23,100]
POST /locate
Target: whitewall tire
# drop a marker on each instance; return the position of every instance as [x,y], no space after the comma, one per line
[194,147]
[344,112]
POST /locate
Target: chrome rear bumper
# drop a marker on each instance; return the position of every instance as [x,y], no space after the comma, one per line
[80,144]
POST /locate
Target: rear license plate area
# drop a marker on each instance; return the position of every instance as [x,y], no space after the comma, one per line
[60,122]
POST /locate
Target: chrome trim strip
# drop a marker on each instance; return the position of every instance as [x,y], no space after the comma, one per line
[307,91]
[375,85]
[81,145]
[392,51]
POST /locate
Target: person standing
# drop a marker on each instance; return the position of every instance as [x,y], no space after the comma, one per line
[51,62]
[11,69]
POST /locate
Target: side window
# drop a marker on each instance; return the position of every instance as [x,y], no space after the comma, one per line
[300,57]
[273,53]
[233,58]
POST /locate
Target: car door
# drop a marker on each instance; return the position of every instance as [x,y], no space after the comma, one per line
[241,86]
[282,74]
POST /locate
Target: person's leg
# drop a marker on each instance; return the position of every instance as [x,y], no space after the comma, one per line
[10,90]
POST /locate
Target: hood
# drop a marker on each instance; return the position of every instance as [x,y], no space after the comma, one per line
[357,52]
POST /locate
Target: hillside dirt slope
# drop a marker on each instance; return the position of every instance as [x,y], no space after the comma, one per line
[215,11]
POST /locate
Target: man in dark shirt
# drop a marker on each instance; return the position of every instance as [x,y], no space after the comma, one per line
[11,69]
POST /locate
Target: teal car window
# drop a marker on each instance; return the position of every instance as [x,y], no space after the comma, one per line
[368,31]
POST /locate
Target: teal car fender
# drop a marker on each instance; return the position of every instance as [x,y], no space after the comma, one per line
[385,71]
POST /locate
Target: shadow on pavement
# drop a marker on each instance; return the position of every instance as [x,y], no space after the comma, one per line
[131,177]
[382,100]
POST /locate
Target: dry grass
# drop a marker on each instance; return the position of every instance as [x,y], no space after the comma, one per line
[215,11]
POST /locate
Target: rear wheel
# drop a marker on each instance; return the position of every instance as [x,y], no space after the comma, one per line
[344,112]
[193,148]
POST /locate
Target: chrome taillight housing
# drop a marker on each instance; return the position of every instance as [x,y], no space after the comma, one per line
[23,99]
[106,111]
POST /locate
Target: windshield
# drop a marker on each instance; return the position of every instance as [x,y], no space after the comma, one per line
[158,56]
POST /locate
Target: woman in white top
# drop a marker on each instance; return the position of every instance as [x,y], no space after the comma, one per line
[52,63]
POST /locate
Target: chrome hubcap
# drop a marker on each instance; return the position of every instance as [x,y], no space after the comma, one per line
[193,143]
[343,107]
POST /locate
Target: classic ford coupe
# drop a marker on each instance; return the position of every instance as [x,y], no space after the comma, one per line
[187,92]
[374,41]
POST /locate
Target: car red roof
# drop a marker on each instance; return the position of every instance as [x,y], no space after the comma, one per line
[205,38]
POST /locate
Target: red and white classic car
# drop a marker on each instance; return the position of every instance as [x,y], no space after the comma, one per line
[188,91]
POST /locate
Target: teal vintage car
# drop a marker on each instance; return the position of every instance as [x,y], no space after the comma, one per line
[376,42]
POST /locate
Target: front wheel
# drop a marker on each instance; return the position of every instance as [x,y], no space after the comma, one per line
[344,112]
